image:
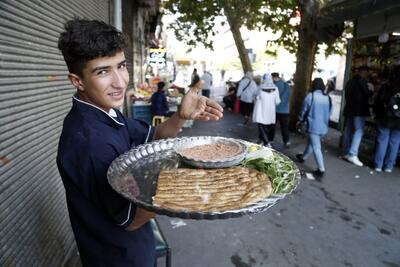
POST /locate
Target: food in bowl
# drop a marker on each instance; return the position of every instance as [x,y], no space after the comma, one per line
[210,152]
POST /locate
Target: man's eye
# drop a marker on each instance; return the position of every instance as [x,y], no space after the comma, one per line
[122,66]
[101,72]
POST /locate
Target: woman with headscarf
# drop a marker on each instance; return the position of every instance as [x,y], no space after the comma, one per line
[315,111]
[264,110]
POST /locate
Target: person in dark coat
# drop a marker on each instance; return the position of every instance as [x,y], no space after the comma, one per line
[356,110]
[282,110]
[159,104]
[387,111]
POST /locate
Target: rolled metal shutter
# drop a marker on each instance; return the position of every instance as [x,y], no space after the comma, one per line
[35,96]
[127,25]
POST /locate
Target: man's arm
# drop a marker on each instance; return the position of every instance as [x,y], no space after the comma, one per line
[169,128]
[305,106]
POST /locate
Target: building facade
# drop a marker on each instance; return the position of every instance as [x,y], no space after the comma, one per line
[35,96]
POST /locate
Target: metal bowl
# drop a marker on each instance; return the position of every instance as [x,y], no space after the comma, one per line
[134,175]
[207,140]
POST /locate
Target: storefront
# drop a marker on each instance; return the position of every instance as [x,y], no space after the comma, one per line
[376,44]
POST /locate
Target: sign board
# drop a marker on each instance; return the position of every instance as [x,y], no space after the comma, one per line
[158,57]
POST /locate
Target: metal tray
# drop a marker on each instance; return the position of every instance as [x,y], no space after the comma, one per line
[134,175]
[211,164]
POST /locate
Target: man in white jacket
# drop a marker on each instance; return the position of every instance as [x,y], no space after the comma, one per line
[247,90]
[208,82]
[264,113]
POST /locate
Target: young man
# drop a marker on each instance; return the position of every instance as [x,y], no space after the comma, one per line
[356,110]
[109,230]
[282,110]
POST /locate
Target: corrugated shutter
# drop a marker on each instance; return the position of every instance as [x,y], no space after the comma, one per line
[138,43]
[127,25]
[35,95]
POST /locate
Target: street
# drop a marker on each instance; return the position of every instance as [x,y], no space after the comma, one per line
[351,218]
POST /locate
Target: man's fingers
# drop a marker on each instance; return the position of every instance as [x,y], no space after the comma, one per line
[197,87]
[209,116]
[214,111]
[213,104]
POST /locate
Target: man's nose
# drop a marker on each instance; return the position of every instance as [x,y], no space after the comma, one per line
[119,79]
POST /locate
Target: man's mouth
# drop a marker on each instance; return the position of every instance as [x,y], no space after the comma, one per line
[116,94]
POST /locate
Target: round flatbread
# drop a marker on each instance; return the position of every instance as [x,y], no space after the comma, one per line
[215,190]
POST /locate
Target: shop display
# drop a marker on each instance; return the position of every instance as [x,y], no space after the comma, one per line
[379,57]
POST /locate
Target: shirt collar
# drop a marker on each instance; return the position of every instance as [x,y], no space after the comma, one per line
[111,116]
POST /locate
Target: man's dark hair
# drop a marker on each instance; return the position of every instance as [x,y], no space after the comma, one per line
[363,68]
[84,40]
[317,84]
[275,75]
[160,86]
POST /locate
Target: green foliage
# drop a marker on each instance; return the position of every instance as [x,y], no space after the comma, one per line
[196,21]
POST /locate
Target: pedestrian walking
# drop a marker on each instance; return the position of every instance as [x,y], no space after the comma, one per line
[207,85]
[229,99]
[264,113]
[282,110]
[109,230]
[194,77]
[356,110]
[247,91]
[387,117]
[315,111]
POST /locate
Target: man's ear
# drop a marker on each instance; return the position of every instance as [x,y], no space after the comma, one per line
[76,81]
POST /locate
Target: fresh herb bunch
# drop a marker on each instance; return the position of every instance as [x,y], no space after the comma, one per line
[281,172]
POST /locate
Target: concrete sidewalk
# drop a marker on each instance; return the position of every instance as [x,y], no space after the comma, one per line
[351,218]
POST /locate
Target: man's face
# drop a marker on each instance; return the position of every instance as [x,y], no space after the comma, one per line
[275,79]
[104,82]
[364,73]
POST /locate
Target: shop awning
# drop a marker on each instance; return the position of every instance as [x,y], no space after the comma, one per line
[338,11]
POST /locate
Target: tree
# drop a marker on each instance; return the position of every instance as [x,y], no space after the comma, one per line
[303,39]
[196,21]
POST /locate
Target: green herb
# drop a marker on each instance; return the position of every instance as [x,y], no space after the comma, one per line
[281,171]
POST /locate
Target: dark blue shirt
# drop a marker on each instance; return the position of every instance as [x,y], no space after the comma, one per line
[91,139]
[284,94]
[159,104]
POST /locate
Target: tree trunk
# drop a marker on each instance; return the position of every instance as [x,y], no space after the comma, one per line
[305,55]
[237,36]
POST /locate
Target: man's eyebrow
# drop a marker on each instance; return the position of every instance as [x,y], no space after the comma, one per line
[100,68]
[122,62]
[106,67]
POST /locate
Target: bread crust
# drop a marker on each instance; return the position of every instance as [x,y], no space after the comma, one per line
[214,190]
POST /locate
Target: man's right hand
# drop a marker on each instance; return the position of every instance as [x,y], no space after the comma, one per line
[142,216]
